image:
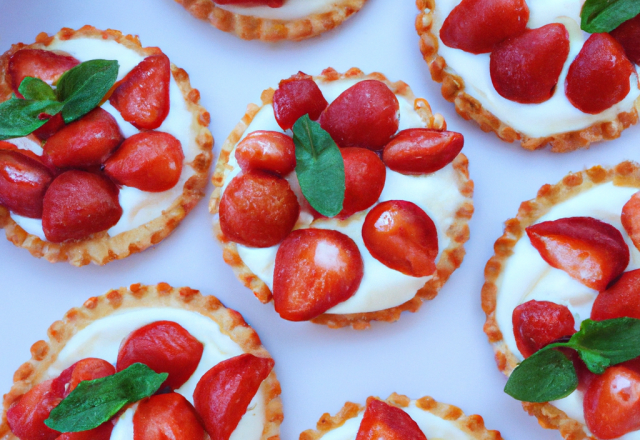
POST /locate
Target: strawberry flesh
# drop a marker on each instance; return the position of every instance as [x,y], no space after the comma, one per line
[628,35]
[85,369]
[38,63]
[365,175]
[384,421]
[102,432]
[26,416]
[268,151]
[418,151]
[538,323]
[52,126]
[23,182]
[166,416]
[296,97]
[630,219]
[619,300]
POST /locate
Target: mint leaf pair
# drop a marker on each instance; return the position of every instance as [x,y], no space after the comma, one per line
[606,15]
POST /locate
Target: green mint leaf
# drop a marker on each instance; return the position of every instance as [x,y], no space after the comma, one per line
[19,117]
[83,87]
[35,88]
[546,375]
[613,339]
[319,167]
[606,15]
[93,402]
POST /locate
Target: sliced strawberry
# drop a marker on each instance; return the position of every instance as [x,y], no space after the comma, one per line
[84,143]
[315,269]
[53,125]
[78,204]
[296,97]
[224,393]
[270,3]
[599,76]
[525,68]
[620,299]
[166,416]
[628,35]
[590,251]
[150,161]
[11,147]
[258,209]
[26,417]
[23,183]
[365,175]
[422,150]
[38,63]
[102,432]
[85,369]
[536,324]
[384,421]
[630,219]
[400,235]
[267,151]
[365,115]
[477,26]
[165,347]
[142,97]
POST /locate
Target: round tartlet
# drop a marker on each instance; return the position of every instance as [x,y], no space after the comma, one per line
[146,228]
[596,192]
[466,82]
[453,231]
[49,358]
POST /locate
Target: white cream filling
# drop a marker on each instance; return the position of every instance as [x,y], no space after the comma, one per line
[557,115]
[139,207]
[381,287]
[290,10]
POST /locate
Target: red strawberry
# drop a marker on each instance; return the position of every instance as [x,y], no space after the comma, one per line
[38,63]
[630,219]
[85,369]
[590,251]
[267,151]
[102,432]
[11,147]
[628,35]
[422,150]
[365,175]
[536,324]
[52,126]
[23,182]
[619,300]
[384,421]
[166,416]
[296,97]
[26,417]
[142,97]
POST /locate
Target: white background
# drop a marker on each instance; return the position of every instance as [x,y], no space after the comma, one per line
[440,351]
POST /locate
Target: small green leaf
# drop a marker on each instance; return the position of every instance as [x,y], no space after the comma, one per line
[614,339]
[19,117]
[606,15]
[35,88]
[94,402]
[319,167]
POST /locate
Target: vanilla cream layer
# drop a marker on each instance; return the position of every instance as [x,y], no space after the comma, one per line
[139,207]
[526,276]
[381,287]
[557,115]
[290,10]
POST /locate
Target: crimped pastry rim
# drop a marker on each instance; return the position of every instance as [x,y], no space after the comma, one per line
[101,248]
[470,108]
[458,232]
[231,323]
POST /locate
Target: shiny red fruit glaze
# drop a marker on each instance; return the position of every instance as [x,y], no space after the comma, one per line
[365,115]
[166,416]
[365,175]
[538,323]
[526,68]
[628,35]
[43,64]
[165,347]
[78,204]
[630,219]
[150,161]
[296,97]
[589,250]
[400,235]
[23,183]
[612,403]
[142,97]
[26,417]
[267,151]
[102,432]
[54,124]
[619,300]
[270,3]
[422,150]
[384,421]
[85,369]
[11,147]
[258,209]
[84,143]
[223,394]
[477,26]
[599,76]
[315,269]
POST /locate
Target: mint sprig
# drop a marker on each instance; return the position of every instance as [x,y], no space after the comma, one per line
[35,88]
[19,117]
[606,15]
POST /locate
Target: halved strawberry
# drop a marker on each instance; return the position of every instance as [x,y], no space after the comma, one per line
[52,126]
[102,432]
[422,150]
[628,35]
[538,323]
[589,250]
[296,97]
[38,63]
[268,151]
[85,369]
[26,416]
[630,219]
[23,182]
[619,300]
[388,422]
[12,147]
[166,416]
[365,175]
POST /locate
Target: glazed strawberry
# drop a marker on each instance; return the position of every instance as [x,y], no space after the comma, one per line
[365,175]
[223,394]
[23,183]
[166,416]
[26,417]
[52,126]
[79,204]
[630,219]
[296,97]
[599,76]
[590,251]
[538,323]
[85,369]
[267,151]
[11,147]
[619,300]
[628,35]
[150,161]
[612,403]
[315,269]
[142,97]
[422,150]
[477,26]
[102,432]
[384,421]
[270,3]
[84,143]
[258,209]
[165,347]
[525,68]
[43,64]
[400,235]
[365,115]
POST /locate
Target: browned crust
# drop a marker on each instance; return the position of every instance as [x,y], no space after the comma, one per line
[249,27]
[627,174]
[44,354]
[450,259]
[101,248]
[470,108]
[472,425]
